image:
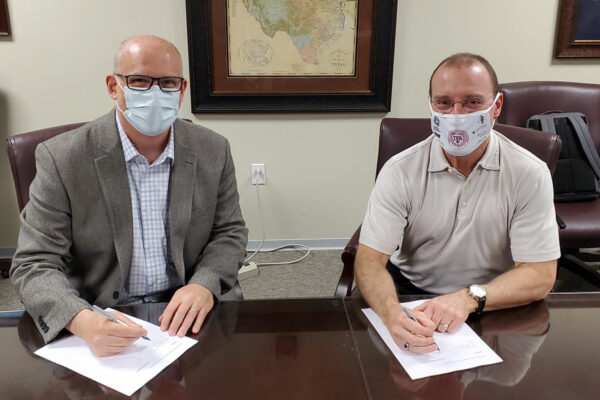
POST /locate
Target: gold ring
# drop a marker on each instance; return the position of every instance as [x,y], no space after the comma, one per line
[443,325]
[194,309]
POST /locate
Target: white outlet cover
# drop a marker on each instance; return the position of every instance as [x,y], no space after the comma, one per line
[258,174]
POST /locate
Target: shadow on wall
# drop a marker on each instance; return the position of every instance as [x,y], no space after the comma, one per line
[9,211]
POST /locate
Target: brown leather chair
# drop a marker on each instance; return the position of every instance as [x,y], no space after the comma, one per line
[21,154]
[397,134]
[581,219]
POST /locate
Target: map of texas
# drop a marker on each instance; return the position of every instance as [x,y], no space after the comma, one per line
[309,23]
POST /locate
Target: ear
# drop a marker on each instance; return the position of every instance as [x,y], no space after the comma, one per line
[182,92]
[498,105]
[111,86]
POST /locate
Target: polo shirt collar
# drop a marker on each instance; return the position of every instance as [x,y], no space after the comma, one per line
[490,159]
[130,152]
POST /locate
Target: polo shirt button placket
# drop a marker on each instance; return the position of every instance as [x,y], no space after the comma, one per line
[463,200]
[462,207]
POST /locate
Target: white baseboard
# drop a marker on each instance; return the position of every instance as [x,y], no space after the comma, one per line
[7,252]
[313,244]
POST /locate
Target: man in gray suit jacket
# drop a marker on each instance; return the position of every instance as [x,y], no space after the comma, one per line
[136,206]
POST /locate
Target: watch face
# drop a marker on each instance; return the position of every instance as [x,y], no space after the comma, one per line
[477,291]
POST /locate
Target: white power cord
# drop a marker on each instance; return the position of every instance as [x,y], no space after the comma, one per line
[262,242]
[301,246]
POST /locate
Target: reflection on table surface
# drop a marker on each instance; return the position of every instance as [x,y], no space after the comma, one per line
[286,349]
[325,349]
[546,347]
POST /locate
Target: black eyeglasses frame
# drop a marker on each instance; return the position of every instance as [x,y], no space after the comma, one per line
[153,79]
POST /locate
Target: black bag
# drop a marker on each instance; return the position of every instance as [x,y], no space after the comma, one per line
[577,173]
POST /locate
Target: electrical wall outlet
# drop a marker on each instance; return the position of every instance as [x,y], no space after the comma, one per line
[258,174]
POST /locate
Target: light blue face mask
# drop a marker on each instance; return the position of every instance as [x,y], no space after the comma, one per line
[152,111]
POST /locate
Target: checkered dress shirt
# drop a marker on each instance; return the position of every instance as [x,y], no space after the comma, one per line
[149,189]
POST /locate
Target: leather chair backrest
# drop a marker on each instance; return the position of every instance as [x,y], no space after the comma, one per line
[524,99]
[21,154]
[397,134]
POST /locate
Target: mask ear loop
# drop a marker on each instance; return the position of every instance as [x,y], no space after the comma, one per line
[119,108]
[116,102]
[494,103]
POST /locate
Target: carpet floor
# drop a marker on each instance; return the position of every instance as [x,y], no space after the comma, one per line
[315,276]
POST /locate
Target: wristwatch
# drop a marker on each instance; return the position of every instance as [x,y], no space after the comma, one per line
[478,293]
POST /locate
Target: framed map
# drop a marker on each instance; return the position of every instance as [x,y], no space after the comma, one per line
[578,33]
[291,55]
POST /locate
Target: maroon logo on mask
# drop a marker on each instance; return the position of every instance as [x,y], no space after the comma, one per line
[458,139]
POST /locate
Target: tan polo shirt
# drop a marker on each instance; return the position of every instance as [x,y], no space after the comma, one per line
[445,231]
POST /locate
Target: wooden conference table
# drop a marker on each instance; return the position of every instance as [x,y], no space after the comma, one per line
[325,349]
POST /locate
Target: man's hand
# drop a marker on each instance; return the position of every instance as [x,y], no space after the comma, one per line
[189,305]
[104,337]
[449,311]
[419,336]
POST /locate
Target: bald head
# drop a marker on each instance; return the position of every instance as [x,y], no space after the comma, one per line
[146,49]
[148,56]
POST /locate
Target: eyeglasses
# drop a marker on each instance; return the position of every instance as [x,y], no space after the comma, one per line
[469,103]
[143,82]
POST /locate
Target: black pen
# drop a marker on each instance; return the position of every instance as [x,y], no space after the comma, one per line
[112,317]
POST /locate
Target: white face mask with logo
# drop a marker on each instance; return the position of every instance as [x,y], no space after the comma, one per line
[461,134]
[151,111]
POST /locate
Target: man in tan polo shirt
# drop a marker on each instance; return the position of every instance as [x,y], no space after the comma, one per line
[466,214]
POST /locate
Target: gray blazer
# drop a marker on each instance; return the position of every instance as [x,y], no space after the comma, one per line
[76,236]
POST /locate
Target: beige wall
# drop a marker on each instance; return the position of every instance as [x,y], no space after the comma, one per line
[320,167]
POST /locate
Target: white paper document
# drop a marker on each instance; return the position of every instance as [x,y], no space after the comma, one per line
[459,350]
[125,372]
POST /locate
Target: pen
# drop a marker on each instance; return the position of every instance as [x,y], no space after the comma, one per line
[407,312]
[111,317]
[411,316]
